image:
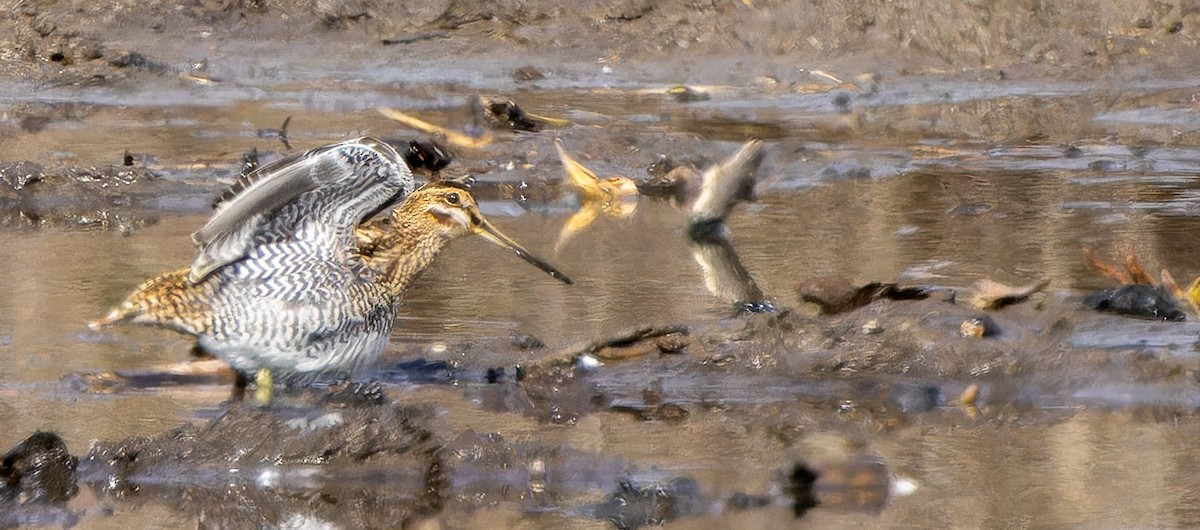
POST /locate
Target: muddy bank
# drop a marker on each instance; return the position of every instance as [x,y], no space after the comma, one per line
[363,466]
[85,43]
[277,462]
[822,395]
[185,92]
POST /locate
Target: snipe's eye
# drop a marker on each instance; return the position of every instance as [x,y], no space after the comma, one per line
[452,198]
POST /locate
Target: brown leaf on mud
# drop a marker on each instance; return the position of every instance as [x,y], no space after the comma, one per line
[826,82]
[194,372]
[836,294]
[576,223]
[591,188]
[990,294]
[1170,286]
[1137,273]
[1134,273]
[969,395]
[631,351]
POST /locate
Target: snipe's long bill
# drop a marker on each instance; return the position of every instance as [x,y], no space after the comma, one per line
[400,246]
[493,234]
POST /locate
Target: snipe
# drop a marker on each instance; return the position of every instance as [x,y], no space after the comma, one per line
[292,281]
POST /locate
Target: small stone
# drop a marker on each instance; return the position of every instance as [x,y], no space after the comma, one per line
[872,327]
[528,73]
[672,343]
[526,342]
[589,362]
[978,328]
[39,470]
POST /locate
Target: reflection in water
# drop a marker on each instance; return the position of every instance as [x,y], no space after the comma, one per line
[615,197]
[708,199]
[724,275]
[721,187]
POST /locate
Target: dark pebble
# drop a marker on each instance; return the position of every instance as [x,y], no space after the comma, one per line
[1141,301]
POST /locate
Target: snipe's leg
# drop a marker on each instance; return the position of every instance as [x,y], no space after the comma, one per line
[264,386]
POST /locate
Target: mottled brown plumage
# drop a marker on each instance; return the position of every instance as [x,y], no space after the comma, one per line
[401,246]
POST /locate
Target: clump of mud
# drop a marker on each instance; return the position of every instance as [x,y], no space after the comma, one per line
[37,478]
[363,466]
[102,197]
[38,470]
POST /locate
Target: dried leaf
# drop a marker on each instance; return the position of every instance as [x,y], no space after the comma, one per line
[615,196]
[834,294]
[1170,286]
[1106,269]
[578,221]
[551,121]
[1137,273]
[584,179]
[969,395]
[1193,295]
[990,294]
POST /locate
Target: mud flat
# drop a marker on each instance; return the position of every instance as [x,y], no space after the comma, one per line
[909,146]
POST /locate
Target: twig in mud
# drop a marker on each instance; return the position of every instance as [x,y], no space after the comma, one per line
[623,339]
[417,37]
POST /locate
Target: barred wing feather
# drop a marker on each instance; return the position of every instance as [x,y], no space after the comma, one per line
[345,182]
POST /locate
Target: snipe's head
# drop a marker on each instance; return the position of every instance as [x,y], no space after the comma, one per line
[449,209]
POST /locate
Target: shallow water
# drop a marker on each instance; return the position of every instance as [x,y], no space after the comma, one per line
[929,185]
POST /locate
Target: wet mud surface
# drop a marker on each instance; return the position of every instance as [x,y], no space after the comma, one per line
[900,326]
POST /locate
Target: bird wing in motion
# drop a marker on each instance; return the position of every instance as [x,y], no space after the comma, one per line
[726,183]
[329,189]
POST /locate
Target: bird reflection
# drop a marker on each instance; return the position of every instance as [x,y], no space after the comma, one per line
[720,188]
[724,275]
[706,197]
